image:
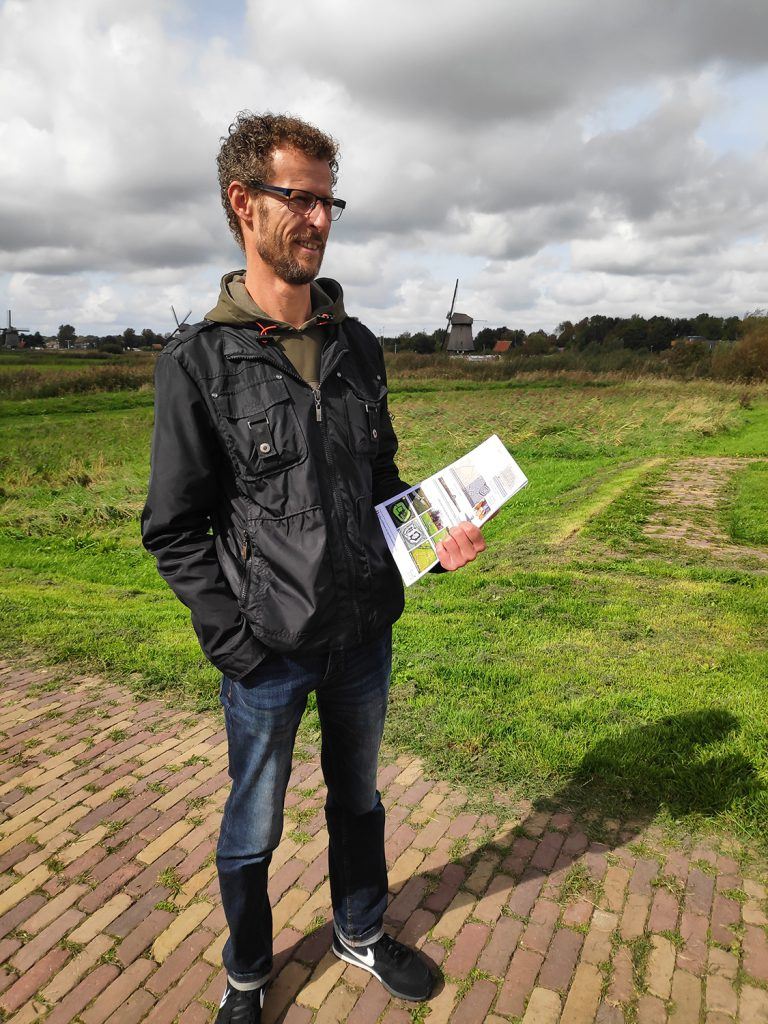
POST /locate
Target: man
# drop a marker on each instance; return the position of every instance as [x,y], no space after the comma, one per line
[272,444]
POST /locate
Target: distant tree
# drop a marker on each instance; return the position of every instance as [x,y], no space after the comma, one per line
[517,338]
[565,333]
[422,342]
[683,327]
[707,326]
[660,331]
[632,333]
[66,335]
[150,337]
[35,340]
[488,336]
[592,330]
[731,328]
[747,358]
[538,343]
[130,338]
[112,343]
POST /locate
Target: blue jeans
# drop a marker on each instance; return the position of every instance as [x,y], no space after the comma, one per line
[352,687]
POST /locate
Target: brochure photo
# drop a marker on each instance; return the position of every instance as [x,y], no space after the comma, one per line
[472,488]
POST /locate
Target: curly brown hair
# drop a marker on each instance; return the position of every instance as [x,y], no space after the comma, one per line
[246,152]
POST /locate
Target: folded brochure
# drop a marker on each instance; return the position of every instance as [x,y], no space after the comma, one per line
[472,488]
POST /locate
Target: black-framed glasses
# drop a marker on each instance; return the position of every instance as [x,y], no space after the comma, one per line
[299,201]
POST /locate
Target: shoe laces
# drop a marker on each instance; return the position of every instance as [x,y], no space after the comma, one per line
[245,1006]
[396,950]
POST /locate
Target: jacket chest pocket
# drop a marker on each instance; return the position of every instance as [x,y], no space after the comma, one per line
[261,428]
[364,403]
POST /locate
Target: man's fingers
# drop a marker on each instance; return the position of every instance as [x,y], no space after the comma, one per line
[467,550]
[473,534]
[462,545]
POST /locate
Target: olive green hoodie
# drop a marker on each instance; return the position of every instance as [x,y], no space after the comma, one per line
[302,345]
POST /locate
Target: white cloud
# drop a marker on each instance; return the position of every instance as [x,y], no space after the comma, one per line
[562,159]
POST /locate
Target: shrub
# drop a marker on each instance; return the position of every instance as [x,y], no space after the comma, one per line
[32,383]
[746,359]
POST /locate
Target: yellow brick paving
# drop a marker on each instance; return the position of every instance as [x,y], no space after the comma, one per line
[109,914]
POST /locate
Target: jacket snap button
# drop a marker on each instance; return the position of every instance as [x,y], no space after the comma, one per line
[279,376]
[374,434]
[338,373]
[378,376]
[264,448]
[214,394]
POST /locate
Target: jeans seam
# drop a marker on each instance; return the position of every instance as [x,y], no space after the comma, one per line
[370,941]
[248,981]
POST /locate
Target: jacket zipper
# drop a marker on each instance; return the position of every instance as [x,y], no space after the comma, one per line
[245,551]
[348,556]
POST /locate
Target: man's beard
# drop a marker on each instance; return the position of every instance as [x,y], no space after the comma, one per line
[277,255]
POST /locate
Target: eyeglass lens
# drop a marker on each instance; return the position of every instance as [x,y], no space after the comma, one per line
[304,202]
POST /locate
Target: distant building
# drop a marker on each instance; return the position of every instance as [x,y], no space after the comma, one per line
[460,334]
[693,339]
[10,336]
[502,346]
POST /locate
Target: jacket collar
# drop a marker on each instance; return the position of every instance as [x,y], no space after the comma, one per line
[248,342]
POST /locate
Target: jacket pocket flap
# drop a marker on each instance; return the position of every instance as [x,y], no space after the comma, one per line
[365,390]
[252,398]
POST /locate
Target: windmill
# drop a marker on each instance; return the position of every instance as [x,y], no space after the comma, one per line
[181,326]
[458,333]
[10,336]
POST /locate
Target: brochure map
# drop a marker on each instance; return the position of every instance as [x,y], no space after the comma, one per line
[472,488]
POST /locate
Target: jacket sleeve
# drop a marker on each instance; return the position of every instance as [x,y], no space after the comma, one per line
[386,476]
[177,519]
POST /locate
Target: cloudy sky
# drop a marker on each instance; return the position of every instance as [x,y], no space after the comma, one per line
[561,158]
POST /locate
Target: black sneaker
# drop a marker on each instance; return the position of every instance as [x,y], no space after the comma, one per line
[238,1007]
[400,969]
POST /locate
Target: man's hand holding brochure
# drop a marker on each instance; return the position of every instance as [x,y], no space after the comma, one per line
[472,489]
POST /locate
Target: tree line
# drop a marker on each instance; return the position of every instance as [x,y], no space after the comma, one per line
[636,332]
[598,332]
[68,337]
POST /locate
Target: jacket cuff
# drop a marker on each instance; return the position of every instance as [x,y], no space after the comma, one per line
[254,674]
[245,662]
[437,568]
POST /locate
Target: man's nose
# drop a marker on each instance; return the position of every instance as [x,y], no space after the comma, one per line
[320,218]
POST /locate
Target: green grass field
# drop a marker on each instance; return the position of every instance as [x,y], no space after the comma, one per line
[577,660]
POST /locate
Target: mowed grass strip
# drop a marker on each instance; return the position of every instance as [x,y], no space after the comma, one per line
[746,513]
[601,497]
[612,672]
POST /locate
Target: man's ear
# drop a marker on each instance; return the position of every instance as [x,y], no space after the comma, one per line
[241,201]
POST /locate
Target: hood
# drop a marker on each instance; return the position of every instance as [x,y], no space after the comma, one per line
[236,307]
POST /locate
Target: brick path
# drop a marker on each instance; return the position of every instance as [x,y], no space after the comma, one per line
[109,908]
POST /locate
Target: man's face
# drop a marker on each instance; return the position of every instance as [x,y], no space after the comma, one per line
[293,244]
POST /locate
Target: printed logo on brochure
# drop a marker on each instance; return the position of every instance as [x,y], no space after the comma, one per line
[401,511]
[413,534]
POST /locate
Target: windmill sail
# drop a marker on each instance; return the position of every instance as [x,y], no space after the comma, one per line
[180,324]
[449,315]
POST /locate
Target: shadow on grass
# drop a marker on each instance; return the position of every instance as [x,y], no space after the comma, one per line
[672,763]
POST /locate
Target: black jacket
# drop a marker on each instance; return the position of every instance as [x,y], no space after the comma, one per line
[261,493]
